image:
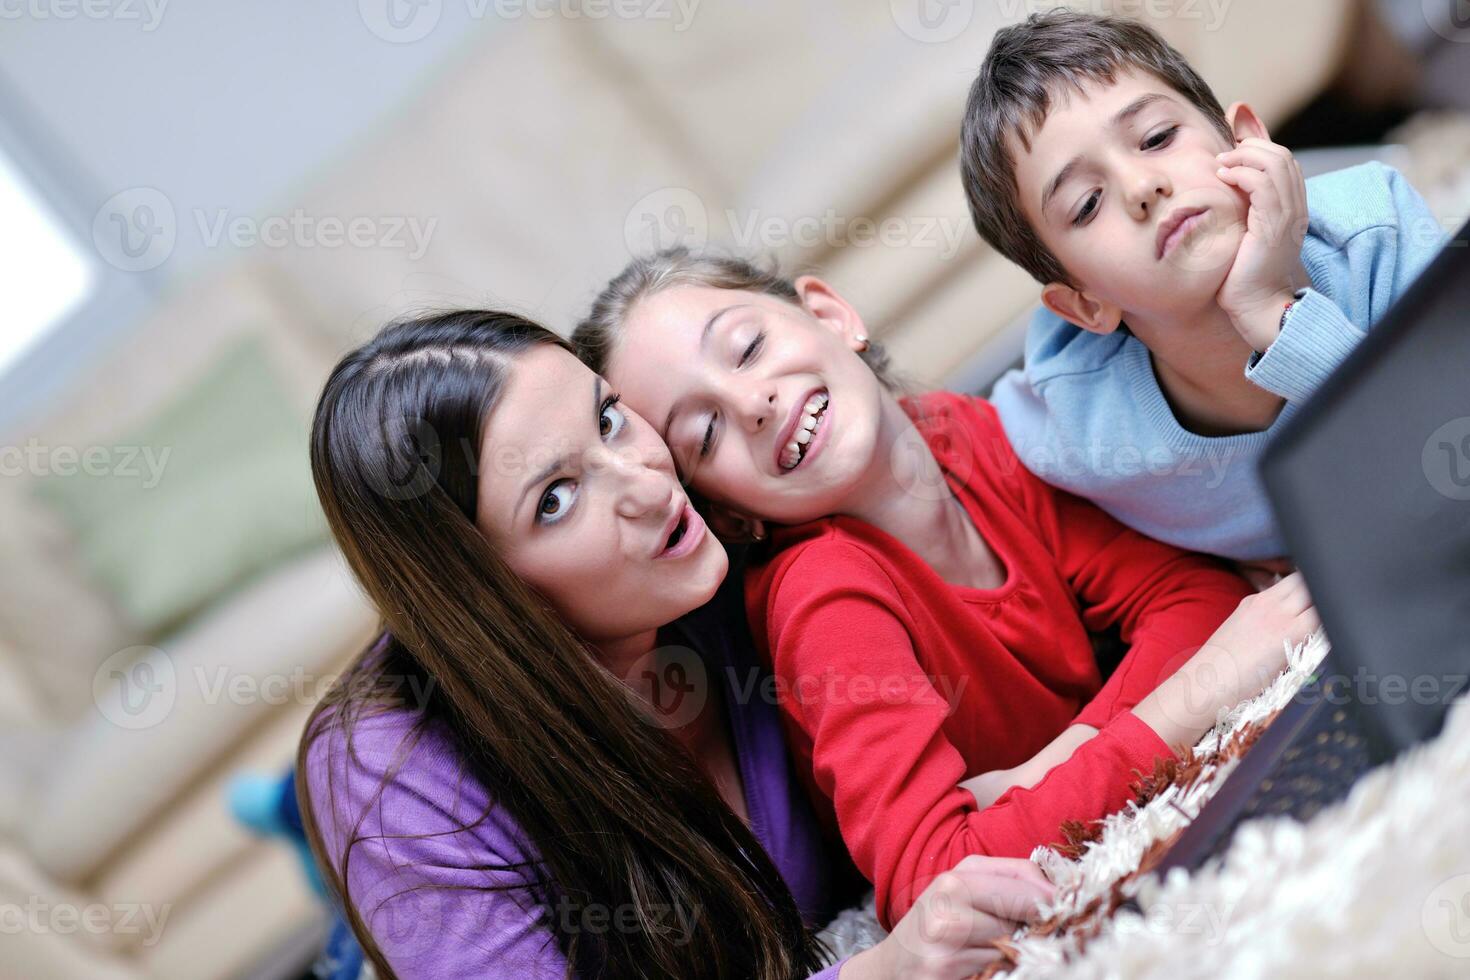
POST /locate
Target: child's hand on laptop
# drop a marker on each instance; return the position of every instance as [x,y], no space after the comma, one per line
[1264,574]
[1237,662]
[1268,266]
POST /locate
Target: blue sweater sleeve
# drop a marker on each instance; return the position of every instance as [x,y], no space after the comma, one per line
[1364,273]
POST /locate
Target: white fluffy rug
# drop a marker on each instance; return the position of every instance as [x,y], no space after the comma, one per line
[1378,885]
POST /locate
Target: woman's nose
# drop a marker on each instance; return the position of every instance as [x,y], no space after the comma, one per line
[640,485]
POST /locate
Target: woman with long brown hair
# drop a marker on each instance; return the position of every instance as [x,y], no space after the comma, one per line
[561,758]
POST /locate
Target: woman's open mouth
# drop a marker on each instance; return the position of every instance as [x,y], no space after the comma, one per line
[804,434]
[688,531]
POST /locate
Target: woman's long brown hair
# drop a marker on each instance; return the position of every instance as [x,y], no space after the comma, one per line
[619,814]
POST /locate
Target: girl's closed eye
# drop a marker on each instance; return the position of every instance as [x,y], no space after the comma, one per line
[753,349]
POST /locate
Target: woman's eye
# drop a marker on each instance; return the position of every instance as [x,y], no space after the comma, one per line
[1088,206]
[611,420]
[753,348]
[556,502]
[1161,138]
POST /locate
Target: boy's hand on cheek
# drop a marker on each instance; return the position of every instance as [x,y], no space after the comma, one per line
[1268,267]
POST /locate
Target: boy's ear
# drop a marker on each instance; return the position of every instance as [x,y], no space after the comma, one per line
[1245,124]
[819,299]
[1083,309]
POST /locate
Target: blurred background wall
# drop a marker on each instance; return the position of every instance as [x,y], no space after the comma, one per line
[203,205]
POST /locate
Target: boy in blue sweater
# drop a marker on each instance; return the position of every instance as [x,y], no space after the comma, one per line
[1196,288]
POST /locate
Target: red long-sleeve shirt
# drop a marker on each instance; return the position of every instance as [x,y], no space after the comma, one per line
[896,685]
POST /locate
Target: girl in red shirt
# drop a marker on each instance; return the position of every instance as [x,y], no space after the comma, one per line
[925,601]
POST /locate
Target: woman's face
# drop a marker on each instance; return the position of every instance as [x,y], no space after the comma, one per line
[765,403]
[579,496]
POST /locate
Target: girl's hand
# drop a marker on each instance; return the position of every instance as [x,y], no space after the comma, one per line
[946,935]
[1264,574]
[1245,654]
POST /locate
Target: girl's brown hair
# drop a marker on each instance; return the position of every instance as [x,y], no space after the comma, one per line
[597,334]
[618,812]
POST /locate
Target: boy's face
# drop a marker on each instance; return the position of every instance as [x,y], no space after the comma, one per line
[1112,172]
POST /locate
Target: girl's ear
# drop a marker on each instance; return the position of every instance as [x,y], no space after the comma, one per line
[733,527]
[1083,309]
[819,299]
[1245,124]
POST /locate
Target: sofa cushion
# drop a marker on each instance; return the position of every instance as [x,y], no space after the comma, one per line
[168,715]
[216,488]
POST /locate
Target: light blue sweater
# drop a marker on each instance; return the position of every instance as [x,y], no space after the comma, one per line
[1086,413]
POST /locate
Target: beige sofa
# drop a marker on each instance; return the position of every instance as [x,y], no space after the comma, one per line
[546,153]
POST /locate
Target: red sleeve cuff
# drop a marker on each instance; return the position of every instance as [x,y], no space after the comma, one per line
[1139,744]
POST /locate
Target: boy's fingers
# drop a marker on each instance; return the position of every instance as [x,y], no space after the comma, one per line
[1261,188]
[1281,169]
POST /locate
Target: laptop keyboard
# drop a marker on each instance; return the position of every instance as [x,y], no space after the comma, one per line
[1318,769]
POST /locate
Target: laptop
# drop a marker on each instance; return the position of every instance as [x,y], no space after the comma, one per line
[1370,483]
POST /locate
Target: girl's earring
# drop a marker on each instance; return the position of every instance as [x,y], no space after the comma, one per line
[757,531]
[862,340]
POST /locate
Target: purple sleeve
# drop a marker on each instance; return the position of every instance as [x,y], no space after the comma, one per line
[416,876]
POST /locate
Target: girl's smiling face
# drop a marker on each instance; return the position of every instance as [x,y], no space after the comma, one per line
[765,403]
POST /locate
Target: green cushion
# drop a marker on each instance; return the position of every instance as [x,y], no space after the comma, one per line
[218,488]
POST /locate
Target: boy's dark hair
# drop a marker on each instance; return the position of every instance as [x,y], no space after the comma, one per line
[1013,93]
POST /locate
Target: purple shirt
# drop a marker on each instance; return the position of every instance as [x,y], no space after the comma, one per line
[404,886]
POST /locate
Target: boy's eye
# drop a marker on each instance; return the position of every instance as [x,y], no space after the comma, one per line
[556,502]
[1088,206]
[1161,138]
[753,348]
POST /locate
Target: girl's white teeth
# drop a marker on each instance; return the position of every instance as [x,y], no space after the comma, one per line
[807,425]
